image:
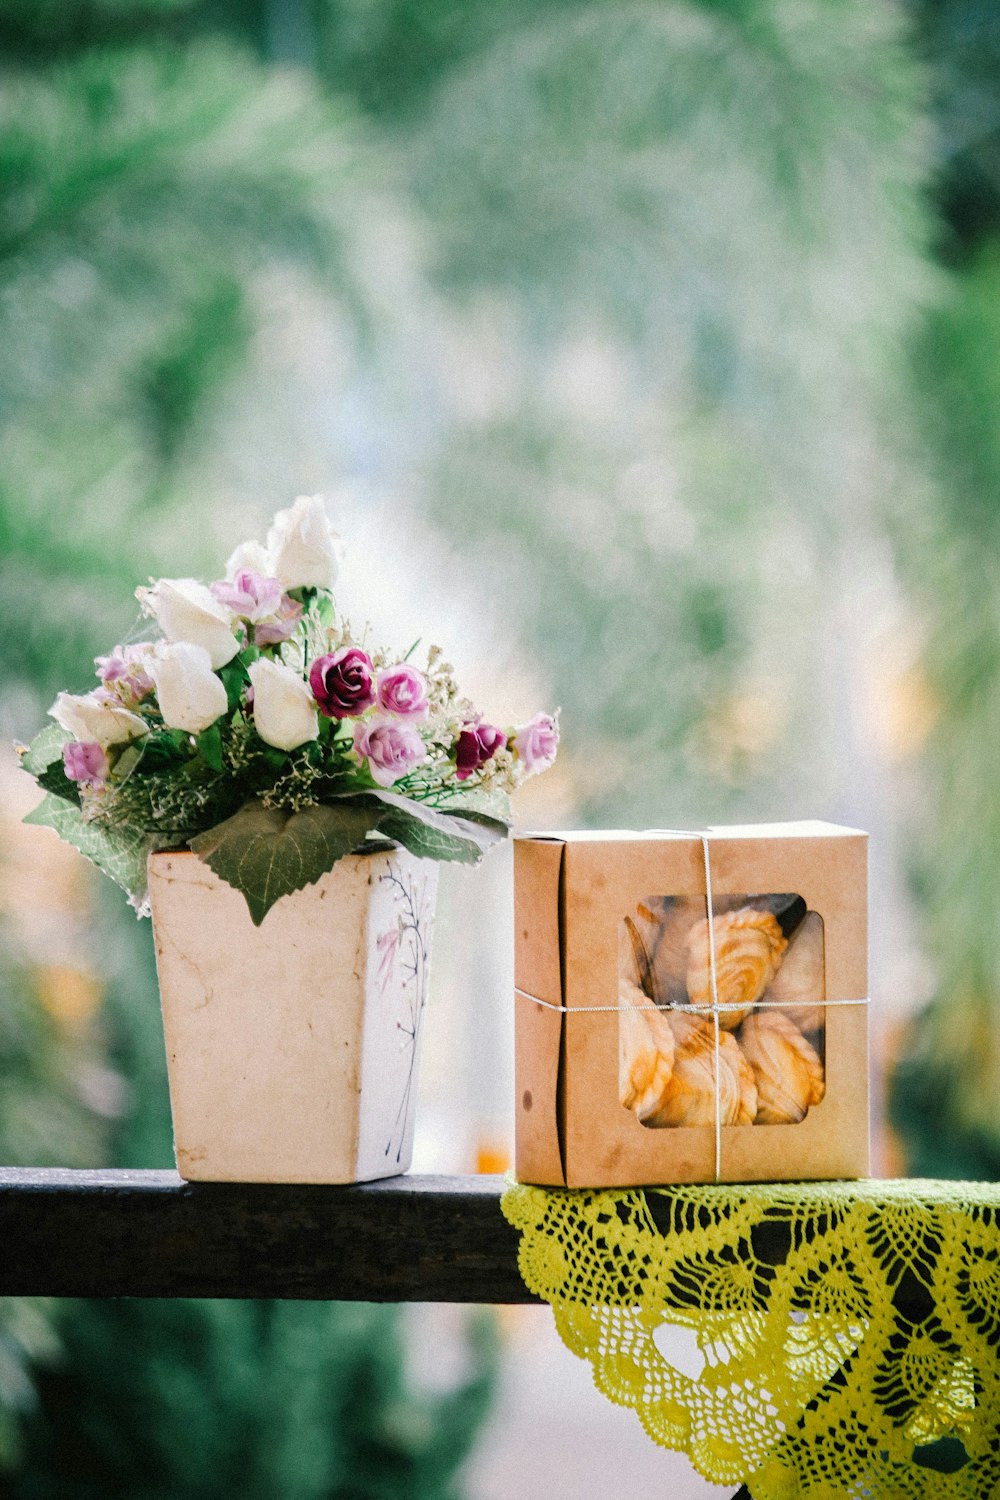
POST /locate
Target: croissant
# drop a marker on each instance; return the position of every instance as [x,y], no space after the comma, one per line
[786,1068]
[800,983]
[645,1051]
[689,1095]
[662,923]
[748,949]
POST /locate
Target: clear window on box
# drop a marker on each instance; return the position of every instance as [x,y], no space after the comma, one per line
[771,989]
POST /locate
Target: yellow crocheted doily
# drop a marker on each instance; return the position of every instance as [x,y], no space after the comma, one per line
[837,1339]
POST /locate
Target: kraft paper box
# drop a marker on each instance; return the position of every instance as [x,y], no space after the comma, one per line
[623,1076]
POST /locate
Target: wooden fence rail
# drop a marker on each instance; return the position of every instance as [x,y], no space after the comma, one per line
[110,1233]
[150,1234]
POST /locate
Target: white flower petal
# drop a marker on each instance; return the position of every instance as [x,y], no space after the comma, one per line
[87,718]
[188,611]
[284,710]
[249,557]
[303,550]
[190,695]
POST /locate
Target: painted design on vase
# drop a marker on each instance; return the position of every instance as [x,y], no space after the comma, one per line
[401,925]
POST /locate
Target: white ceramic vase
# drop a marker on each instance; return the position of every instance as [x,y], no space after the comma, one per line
[292,1047]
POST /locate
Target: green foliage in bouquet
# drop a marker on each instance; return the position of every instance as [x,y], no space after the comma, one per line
[259,733]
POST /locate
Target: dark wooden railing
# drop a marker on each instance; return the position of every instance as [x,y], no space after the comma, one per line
[151,1234]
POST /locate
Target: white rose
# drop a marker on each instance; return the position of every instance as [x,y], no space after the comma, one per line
[284,710]
[303,550]
[190,695]
[188,611]
[249,557]
[87,718]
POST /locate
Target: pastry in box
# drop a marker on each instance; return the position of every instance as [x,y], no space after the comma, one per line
[660,1041]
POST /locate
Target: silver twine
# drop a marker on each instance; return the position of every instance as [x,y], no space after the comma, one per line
[717,1007]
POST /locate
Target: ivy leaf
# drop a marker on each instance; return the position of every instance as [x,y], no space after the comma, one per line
[121,853]
[468,827]
[266,854]
[429,842]
[45,748]
[498,826]
[54,779]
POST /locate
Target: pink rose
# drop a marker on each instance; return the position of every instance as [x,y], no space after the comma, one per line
[477,744]
[536,742]
[86,763]
[343,682]
[262,602]
[249,595]
[278,627]
[402,690]
[125,668]
[391,749]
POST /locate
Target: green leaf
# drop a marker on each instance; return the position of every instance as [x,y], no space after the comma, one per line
[427,842]
[120,853]
[234,679]
[45,748]
[163,750]
[471,828]
[128,761]
[266,854]
[54,779]
[499,826]
[209,744]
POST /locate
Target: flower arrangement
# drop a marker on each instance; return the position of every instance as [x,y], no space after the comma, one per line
[256,729]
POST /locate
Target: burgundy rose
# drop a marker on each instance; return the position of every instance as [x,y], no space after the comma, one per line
[343,682]
[477,744]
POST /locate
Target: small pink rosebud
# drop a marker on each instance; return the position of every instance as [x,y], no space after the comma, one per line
[126,668]
[392,749]
[536,743]
[261,602]
[279,626]
[86,763]
[402,690]
[249,595]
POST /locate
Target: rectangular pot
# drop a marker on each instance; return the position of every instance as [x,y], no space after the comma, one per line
[292,1047]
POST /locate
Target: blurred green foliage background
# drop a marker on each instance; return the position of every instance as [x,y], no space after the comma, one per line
[671,330]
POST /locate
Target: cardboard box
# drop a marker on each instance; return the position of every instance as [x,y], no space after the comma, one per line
[612,943]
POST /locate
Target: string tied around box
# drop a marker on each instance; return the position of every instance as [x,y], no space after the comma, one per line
[716,1007]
